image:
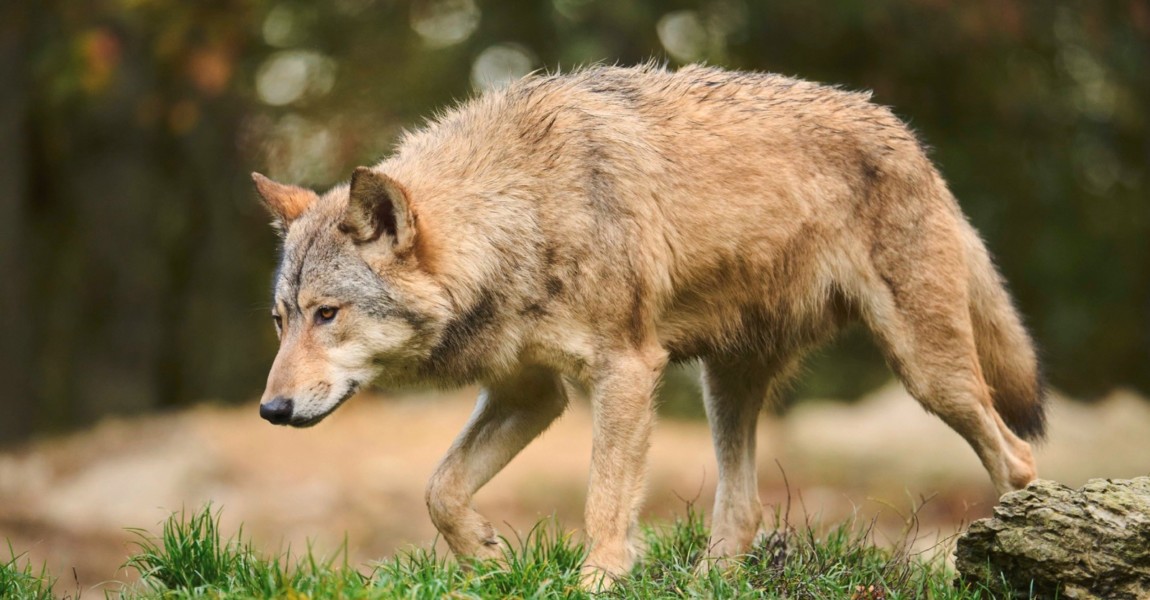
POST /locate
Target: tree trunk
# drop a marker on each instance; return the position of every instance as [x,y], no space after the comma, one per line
[17,410]
[1051,540]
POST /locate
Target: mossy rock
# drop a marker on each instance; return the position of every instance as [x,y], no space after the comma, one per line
[1053,541]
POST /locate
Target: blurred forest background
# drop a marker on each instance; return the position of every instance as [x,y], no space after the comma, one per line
[135,261]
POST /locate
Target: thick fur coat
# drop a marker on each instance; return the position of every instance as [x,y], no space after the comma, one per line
[598,225]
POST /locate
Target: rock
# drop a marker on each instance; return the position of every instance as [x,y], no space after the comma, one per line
[1093,542]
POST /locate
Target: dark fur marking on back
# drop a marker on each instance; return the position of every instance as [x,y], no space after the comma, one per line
[871,173]
[601,190]
[535,309]
[554,286]
[550,122]
[618,88]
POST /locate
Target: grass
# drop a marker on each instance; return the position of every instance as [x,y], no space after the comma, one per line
[19,580]
[190,558]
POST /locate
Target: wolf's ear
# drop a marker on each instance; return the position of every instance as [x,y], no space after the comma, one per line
[285,202]
[378,208]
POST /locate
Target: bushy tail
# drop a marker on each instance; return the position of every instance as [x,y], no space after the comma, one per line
[1005,349]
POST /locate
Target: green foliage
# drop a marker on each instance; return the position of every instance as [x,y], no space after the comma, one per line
[788,562]
[19,580]
[191,559]
[543,564]
[191,555]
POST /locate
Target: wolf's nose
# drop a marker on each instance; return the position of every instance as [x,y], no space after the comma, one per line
[277,411]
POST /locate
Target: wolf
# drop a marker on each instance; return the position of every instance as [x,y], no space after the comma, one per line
[595,226]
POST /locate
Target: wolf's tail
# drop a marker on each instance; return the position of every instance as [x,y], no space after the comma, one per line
[1005,350]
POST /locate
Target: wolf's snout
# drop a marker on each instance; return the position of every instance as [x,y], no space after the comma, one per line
[277,411]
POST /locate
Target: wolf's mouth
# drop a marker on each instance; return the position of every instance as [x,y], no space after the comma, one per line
[351,389]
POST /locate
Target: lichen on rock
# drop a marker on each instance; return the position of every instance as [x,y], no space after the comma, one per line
[1050,540]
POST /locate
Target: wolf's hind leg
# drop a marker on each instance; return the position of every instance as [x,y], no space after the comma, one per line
[923,324]
[734,389]
[507,416]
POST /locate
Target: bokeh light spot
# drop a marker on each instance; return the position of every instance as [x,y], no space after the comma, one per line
[499,65]
[301,150]
[288,76]
[575,10]
[443,23]
[683,35]
[279,26]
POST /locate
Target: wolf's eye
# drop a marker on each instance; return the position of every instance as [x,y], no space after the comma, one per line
[325,314]
[279,321]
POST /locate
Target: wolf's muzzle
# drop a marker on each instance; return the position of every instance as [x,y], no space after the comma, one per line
[277,411]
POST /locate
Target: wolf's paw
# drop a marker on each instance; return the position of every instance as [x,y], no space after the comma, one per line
[488,548]
[486,555]
[596,579]
[721,565]
[724,553]
[602,569]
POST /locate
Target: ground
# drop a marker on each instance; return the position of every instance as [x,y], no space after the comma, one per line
[360,475]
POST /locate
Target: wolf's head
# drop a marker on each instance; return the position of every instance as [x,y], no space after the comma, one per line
[350,298]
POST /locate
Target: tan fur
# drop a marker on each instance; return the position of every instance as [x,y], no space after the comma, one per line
[285,202]
[599,225]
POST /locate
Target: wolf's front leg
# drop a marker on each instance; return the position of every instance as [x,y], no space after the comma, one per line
[734,389]
[623,417]
[507,416]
